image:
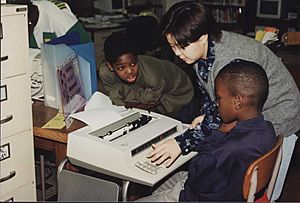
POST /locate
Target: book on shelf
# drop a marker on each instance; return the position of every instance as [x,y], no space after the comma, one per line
[226,2]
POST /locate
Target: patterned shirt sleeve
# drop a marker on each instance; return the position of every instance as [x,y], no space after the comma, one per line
[189,140]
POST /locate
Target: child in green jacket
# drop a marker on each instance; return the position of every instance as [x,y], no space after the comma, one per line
[134,80]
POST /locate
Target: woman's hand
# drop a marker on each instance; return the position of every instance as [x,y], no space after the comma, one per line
[196,121]
[165,152]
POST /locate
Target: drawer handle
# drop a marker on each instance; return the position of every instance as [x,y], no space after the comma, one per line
[7,119]
[9,200]
[1,31]
[11,175]
[4,58]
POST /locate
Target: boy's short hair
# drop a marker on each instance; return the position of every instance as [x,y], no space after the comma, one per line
[117,44]
[248,79]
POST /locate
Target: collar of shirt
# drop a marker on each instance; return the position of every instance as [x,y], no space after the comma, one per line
[203,66]
[250,124]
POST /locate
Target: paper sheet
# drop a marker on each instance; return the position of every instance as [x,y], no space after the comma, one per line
[99,112]
[269,36]
[259,35]
[58,122]
[100,100]
[97,118]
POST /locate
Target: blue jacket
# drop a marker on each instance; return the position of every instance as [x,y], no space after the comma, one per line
[217,172]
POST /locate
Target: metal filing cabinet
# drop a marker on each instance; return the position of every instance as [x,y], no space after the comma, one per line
[99,39]
[17,170]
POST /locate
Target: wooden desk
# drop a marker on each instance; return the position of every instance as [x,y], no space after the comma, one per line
[56,140]
[50,139]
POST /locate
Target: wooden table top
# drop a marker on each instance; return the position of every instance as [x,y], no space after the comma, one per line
[41,115]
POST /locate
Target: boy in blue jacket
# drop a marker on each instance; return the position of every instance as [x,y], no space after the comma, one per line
[216,173]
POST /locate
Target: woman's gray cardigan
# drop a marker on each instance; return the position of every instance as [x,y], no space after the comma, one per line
[282,107]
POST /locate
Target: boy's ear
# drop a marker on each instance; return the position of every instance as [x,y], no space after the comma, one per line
[238,102]
[109,66]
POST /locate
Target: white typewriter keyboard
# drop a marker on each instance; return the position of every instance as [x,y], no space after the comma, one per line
[147,166]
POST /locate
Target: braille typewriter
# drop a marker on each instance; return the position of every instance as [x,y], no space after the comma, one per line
[120,148]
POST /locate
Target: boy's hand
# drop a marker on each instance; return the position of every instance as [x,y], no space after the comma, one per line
[167,152]
[196,121]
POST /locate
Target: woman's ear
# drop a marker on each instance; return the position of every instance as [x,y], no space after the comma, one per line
[109,66]
[238,102]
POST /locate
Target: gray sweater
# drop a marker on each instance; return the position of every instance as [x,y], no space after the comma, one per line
[282,107]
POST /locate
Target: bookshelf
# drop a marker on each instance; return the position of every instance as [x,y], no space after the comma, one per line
[228,13]
[136,6]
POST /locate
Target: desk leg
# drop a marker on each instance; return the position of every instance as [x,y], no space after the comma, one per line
[42,170]
[125,187]
[60,153]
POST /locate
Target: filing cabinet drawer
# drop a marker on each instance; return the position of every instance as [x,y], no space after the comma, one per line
[99,50]
[100,55]
[100,36]
[17,169]
[15,105]
[99,39]
[16,163]
[99,61]
[14,49]
[25,193]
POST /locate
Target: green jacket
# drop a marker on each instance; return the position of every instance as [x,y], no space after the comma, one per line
[158,81]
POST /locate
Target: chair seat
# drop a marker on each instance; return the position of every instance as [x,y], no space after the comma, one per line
[262,173]
[264,198]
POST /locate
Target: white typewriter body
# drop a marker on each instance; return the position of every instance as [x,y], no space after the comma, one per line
[122,153]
